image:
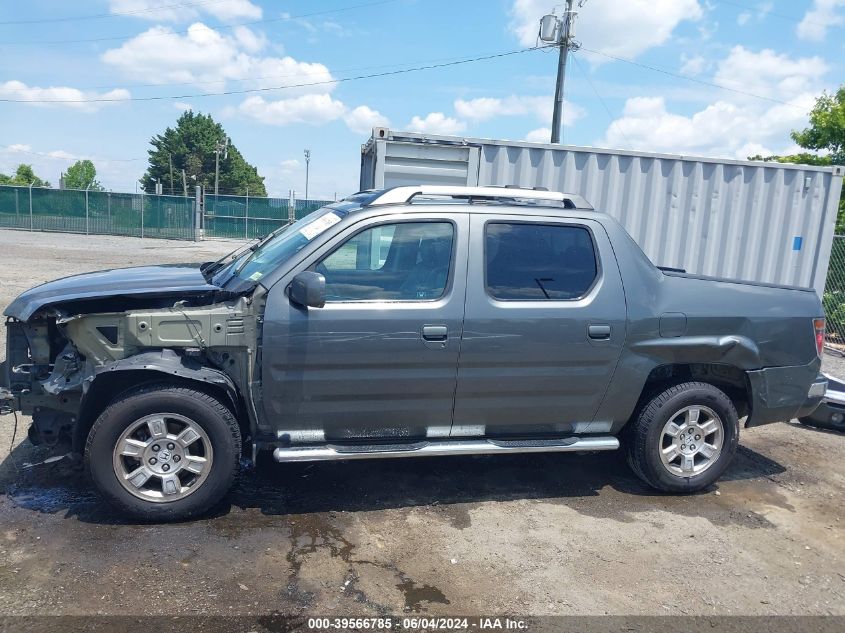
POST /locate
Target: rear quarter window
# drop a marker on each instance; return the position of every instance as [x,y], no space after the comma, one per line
[538,262]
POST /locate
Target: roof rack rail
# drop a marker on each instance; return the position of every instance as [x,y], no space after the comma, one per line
[405,194]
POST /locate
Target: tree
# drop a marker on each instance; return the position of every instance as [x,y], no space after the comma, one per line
[82,175]
[827,127]
[24,177]
[191,146]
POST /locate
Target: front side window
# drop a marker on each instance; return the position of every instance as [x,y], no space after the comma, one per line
[405,261]
[538,262]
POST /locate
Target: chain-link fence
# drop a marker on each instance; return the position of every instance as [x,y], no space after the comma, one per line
[834,295]
[144,215]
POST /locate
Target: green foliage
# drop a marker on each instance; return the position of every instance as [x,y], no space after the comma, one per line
[834,310]
[827,127]
[82,174]
[191,146]
[803,158]
[24,177]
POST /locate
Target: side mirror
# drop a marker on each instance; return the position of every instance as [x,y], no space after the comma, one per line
[308,289]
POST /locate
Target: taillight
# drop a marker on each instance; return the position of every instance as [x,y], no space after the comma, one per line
[818,326]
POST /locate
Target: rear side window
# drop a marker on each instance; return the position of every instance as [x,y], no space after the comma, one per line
[538,262]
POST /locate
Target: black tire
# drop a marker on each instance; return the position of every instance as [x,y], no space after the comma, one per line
[214,418]
[645,436]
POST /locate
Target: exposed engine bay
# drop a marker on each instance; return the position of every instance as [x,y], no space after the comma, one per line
[61,358]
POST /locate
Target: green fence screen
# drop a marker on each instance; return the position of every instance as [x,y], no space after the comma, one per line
[248,218]
[143,215]
[97,212]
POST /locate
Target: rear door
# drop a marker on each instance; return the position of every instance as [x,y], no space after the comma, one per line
[543,329]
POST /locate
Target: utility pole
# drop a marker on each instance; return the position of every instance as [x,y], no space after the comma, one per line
[219,147]
[560,32]
[307,169]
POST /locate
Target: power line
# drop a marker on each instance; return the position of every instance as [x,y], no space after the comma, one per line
[287,87]
[242,79]
[284,18]
[692,79]
[613,121]
[98,16]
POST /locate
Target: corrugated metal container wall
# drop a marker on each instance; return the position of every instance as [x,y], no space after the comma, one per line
[741,220]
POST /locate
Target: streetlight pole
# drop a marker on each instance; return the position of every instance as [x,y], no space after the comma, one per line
[307,170]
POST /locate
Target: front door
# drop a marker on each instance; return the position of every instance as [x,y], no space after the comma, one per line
[379,361]
[543,329]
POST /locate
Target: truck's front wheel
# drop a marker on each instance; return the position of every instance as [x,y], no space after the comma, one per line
[164,452]
[683,439]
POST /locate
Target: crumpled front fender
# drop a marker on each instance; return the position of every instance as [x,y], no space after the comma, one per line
[170,363]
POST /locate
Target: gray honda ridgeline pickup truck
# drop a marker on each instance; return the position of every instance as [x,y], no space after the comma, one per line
[407,322]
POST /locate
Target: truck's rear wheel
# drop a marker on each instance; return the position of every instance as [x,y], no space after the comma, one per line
[683,439]
[164,452]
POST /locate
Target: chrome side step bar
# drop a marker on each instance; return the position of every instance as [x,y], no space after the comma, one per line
[445,447]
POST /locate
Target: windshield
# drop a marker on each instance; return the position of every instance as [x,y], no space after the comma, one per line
[269,255]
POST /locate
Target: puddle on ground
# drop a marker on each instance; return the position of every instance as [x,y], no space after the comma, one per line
[416,594]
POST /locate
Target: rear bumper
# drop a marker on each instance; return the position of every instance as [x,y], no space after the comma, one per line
[830,413]
[779,394]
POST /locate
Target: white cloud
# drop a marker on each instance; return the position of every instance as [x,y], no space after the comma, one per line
[72,97]
[736,125]
[249,40]
[540,135]
[721,129]
[311,109]
[486,108]
[233,9]
[823,15]
[757,14]
[363,119]
[436,123]
[163,11]
[289,165]
[205,55]
[693,65]
[183,106]
[769,74]
[619,28]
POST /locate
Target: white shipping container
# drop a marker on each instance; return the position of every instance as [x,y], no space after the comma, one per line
[755,221]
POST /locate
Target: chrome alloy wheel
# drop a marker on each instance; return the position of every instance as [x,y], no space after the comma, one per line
[691,441]
[162,457]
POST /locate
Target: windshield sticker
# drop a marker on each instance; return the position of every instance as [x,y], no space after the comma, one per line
[313,229]
[256,276]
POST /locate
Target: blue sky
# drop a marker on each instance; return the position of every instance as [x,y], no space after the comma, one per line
[645,79]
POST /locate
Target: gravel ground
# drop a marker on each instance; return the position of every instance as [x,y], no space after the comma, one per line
[548,534]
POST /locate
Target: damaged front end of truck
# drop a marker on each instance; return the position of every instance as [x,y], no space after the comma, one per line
[74,344]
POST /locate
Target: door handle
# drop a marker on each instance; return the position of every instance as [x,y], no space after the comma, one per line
[598,332]
[435,332]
